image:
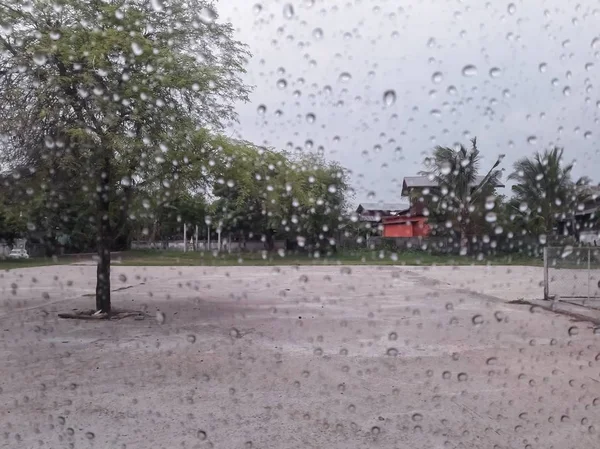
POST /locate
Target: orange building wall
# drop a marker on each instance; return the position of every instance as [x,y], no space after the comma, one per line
[416,227]
[398,230]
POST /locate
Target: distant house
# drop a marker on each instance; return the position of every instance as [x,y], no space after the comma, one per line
[585,222]
[375,212]
[412,222]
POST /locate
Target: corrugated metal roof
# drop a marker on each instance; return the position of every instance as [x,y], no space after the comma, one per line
[382,206]
[419,181]
[412,182]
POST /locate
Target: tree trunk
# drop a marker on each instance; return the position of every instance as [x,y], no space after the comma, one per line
[104,239]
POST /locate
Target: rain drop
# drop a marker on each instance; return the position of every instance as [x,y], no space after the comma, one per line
[157,5]
[469,70]
[511,8]
[437,77]
[40,58]
[137,49]
[389,97]
[477,320]
[345,77]
[288,11]
[491,217]
[495,72]
[207,15]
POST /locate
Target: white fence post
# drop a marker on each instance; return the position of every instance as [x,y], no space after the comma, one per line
[546,286]
[589,272]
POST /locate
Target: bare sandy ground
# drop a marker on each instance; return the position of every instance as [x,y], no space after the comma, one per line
[327,357]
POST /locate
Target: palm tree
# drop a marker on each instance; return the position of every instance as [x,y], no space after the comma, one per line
[544,188]
[462,191]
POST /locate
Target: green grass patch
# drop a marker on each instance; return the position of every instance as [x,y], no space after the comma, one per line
[11,264]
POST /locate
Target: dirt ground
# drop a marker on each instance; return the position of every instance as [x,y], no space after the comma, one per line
[290,357]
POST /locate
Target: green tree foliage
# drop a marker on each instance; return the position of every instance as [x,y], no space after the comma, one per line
[463,201]
[114,95]
[261,192]
[544,190]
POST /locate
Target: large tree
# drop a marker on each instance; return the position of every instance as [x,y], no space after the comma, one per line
[459,200]
[544,190]
[115,94]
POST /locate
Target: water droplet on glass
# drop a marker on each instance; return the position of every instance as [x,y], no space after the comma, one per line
[318,34]
[462,377]
[567,251]
[567,91]
[6,28]
[282,84]
[157,5]
[345,77]
[477,320]
[234,333]
[207,15]
[389,97]
[191,338]
[437,77]
[446,168]
[573,330]
[417,417]
[90,435]
[201,435]
[310,118]
[392,352]
[543,67]
[40,58]
[393,336]
[595,43]
[469,70]
[511,8]
[288,11]
[257,9]
[262,109]
[160,317]
[137,49]
[495,72]
[491,217]
[532,140]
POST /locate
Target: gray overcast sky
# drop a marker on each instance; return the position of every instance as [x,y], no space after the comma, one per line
[536,62]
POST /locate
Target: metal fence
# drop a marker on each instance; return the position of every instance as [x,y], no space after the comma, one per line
[572,272]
